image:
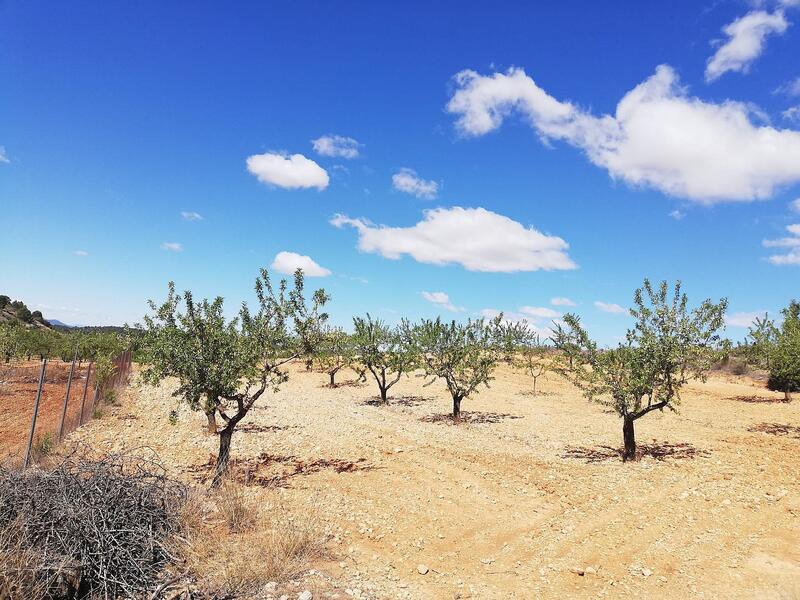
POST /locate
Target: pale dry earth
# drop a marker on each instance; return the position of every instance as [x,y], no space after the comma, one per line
[497,509]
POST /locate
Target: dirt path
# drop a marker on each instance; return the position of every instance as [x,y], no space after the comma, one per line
[529,502]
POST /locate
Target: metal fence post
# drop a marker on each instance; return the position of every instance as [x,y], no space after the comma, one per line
[35,413]
[85,387]
[66,396]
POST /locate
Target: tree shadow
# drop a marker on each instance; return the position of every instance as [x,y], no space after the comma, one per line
[758,399]
[409,401]
[656,450]
[777,429]
[538,393]
[256,428]
[471,418]
[342,384]
[272,470]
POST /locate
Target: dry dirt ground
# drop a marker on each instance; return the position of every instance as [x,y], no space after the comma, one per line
[526,500]
[18,384]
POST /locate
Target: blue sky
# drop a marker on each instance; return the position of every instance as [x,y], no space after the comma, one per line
[116,118]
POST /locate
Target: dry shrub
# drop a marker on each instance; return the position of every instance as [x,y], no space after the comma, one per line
[91,527]
[281,542]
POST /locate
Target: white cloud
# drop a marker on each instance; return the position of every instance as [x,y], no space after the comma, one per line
[743,319]
[659,136]
[608,307]
[746,37]
[289,172]
[677,215]
[475,238]
[407,180]
[172,246]
[792,257]
[441,300]
[289,262]
[795,205]
[539,312]
[336,146]
[790,88]
[3,157]
[81,253]
[190,215]
[561,301]
[792,113]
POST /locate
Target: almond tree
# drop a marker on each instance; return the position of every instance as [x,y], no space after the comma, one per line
[334,352]
[532,358]
[667,346]
[382,351]
[224,366]
[784,364]
[463,354]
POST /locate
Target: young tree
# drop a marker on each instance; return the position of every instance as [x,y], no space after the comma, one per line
[761,341]
[784,370]
[667,346]
[224,366]
[383,352]
[335,352]
[463,354]
[569,350]
[533,358]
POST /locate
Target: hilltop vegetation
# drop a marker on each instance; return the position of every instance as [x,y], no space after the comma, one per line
[15,311]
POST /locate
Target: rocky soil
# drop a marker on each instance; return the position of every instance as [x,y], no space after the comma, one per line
[526,499]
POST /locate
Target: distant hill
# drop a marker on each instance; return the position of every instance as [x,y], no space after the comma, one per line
[59,324]
[12,311]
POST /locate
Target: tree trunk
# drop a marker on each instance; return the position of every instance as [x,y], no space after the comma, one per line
[224,455]
[787,396]
[534,385]
[456,408]
[629,436]
[309,364]
[212,421]
[333,377]
[384,393]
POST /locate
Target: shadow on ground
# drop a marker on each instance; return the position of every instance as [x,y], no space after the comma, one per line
[657,451]
[256,428]
[401,401]
[472,418]
[271,470]
[757,399]
[777,429]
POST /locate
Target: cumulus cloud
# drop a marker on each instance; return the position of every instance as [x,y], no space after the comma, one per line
[407,180]
[477,239]
[746,37]
[337,146]
[3,157]
[676,214]
[190,215]
[795,205]
[290,172]
[561,301]
[659,136]
[743,319]
[792,242]
[172,246]
[608,307]
[539,312]
[289,262]
[81,253]
[441,300]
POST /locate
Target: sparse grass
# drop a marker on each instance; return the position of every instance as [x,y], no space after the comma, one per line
[42,446]
[273,544]
[237,510]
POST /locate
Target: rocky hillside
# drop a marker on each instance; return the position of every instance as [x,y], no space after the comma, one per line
[16,311]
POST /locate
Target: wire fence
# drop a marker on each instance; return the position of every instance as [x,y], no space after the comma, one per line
[42,402]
